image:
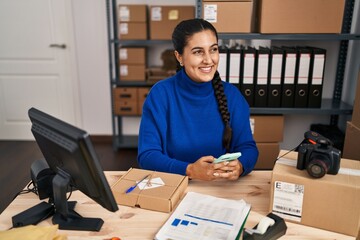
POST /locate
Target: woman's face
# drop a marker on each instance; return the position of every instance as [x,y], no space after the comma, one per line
[201,56]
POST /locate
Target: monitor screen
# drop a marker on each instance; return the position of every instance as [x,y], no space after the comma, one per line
[69,152]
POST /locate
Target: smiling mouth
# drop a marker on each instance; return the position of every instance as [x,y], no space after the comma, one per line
[205,69]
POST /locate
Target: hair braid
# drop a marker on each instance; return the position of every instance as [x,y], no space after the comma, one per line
[223,108]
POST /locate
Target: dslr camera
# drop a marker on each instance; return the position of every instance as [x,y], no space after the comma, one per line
[317,155]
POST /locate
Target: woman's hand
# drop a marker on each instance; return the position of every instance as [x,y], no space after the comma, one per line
[228,170]
[205,169]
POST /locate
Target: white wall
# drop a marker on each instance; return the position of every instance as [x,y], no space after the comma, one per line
[92,56]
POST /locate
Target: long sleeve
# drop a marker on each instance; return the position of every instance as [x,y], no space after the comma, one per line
[181,123]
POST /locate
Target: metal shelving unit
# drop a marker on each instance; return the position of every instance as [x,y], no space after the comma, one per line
[333,106]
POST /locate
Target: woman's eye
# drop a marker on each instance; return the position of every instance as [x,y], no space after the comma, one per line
[199,52]
[214,50]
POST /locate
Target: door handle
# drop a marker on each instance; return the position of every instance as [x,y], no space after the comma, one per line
[63,46]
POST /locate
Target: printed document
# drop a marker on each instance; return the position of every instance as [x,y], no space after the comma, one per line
[204,217]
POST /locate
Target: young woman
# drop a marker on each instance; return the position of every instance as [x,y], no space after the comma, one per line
[193,117]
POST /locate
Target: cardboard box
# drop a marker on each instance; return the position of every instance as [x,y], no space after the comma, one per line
[356,108]
[132,13]
[163,198]
[351,143]
[301,16]
[268,152]
[230,16]
[267,128]
[127,108]
[132,72]
[330,202]
[132,31]
[163,20]
[133,55]
[128,94]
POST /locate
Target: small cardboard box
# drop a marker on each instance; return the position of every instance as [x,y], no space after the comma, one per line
[268,152]
[131,72]
[163,20]
[261,130]
[132,55]
[132,13]
[230,16]
[330,202]
[163,198]
[301,16]
[351,143]
[132,31]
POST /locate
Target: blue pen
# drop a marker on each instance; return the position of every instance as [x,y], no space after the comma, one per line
[130,189]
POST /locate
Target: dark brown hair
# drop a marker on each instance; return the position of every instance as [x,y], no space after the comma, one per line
[181,34]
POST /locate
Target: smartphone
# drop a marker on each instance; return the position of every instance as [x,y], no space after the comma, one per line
[227,157]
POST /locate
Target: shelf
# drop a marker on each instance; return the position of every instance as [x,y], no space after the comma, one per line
[132,83]
[140,42]
[125,141]
[251,36]
[312,37]
[327,108]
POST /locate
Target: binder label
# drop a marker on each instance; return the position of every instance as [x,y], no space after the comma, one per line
[276,69]
[319,61]
[234,68]
[290,69]
[249,68]
[304,67]
[263,69]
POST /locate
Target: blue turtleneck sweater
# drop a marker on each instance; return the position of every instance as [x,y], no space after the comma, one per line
[181,123]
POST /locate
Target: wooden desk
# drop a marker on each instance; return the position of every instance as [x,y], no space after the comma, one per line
[135,223]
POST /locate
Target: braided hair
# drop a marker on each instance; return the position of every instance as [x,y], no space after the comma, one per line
[223,109]
[181,34]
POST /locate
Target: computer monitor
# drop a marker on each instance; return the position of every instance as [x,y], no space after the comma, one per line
[69,152]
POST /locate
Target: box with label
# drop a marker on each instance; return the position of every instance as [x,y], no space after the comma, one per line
[351,143]
[268,152]
[132,31]
[132,55]
[132,13]
[301,16]
[330,202]
[267,128]
[132,72]
[163,20]
[230,16]
[162,194]
[125,101]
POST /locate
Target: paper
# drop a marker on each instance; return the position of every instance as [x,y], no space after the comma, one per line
[154,183]
[200,216]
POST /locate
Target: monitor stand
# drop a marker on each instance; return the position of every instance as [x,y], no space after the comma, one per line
[65,215]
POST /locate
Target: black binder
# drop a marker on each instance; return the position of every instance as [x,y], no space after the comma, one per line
[276,75]
[288,87]
[223,66]
[247,74]
[302,77]
[316,76]
[234,66]
[261,77]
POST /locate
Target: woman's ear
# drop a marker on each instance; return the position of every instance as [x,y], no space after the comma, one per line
[178,57]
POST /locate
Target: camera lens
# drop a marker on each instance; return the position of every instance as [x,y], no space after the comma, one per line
[317,168]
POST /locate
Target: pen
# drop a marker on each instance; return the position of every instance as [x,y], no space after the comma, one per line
[130,189]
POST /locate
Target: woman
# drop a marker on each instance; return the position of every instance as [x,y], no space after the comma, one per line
[193,117]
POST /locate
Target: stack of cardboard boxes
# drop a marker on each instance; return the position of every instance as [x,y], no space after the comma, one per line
[268,133]
[352,135]
[129,101]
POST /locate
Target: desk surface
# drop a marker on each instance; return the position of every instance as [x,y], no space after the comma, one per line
[135,223]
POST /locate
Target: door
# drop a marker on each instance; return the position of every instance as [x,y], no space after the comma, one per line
[37,65]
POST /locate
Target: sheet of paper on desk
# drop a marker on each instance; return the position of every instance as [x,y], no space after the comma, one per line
[200,216]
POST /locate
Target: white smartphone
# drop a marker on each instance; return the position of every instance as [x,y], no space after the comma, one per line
[227,157]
